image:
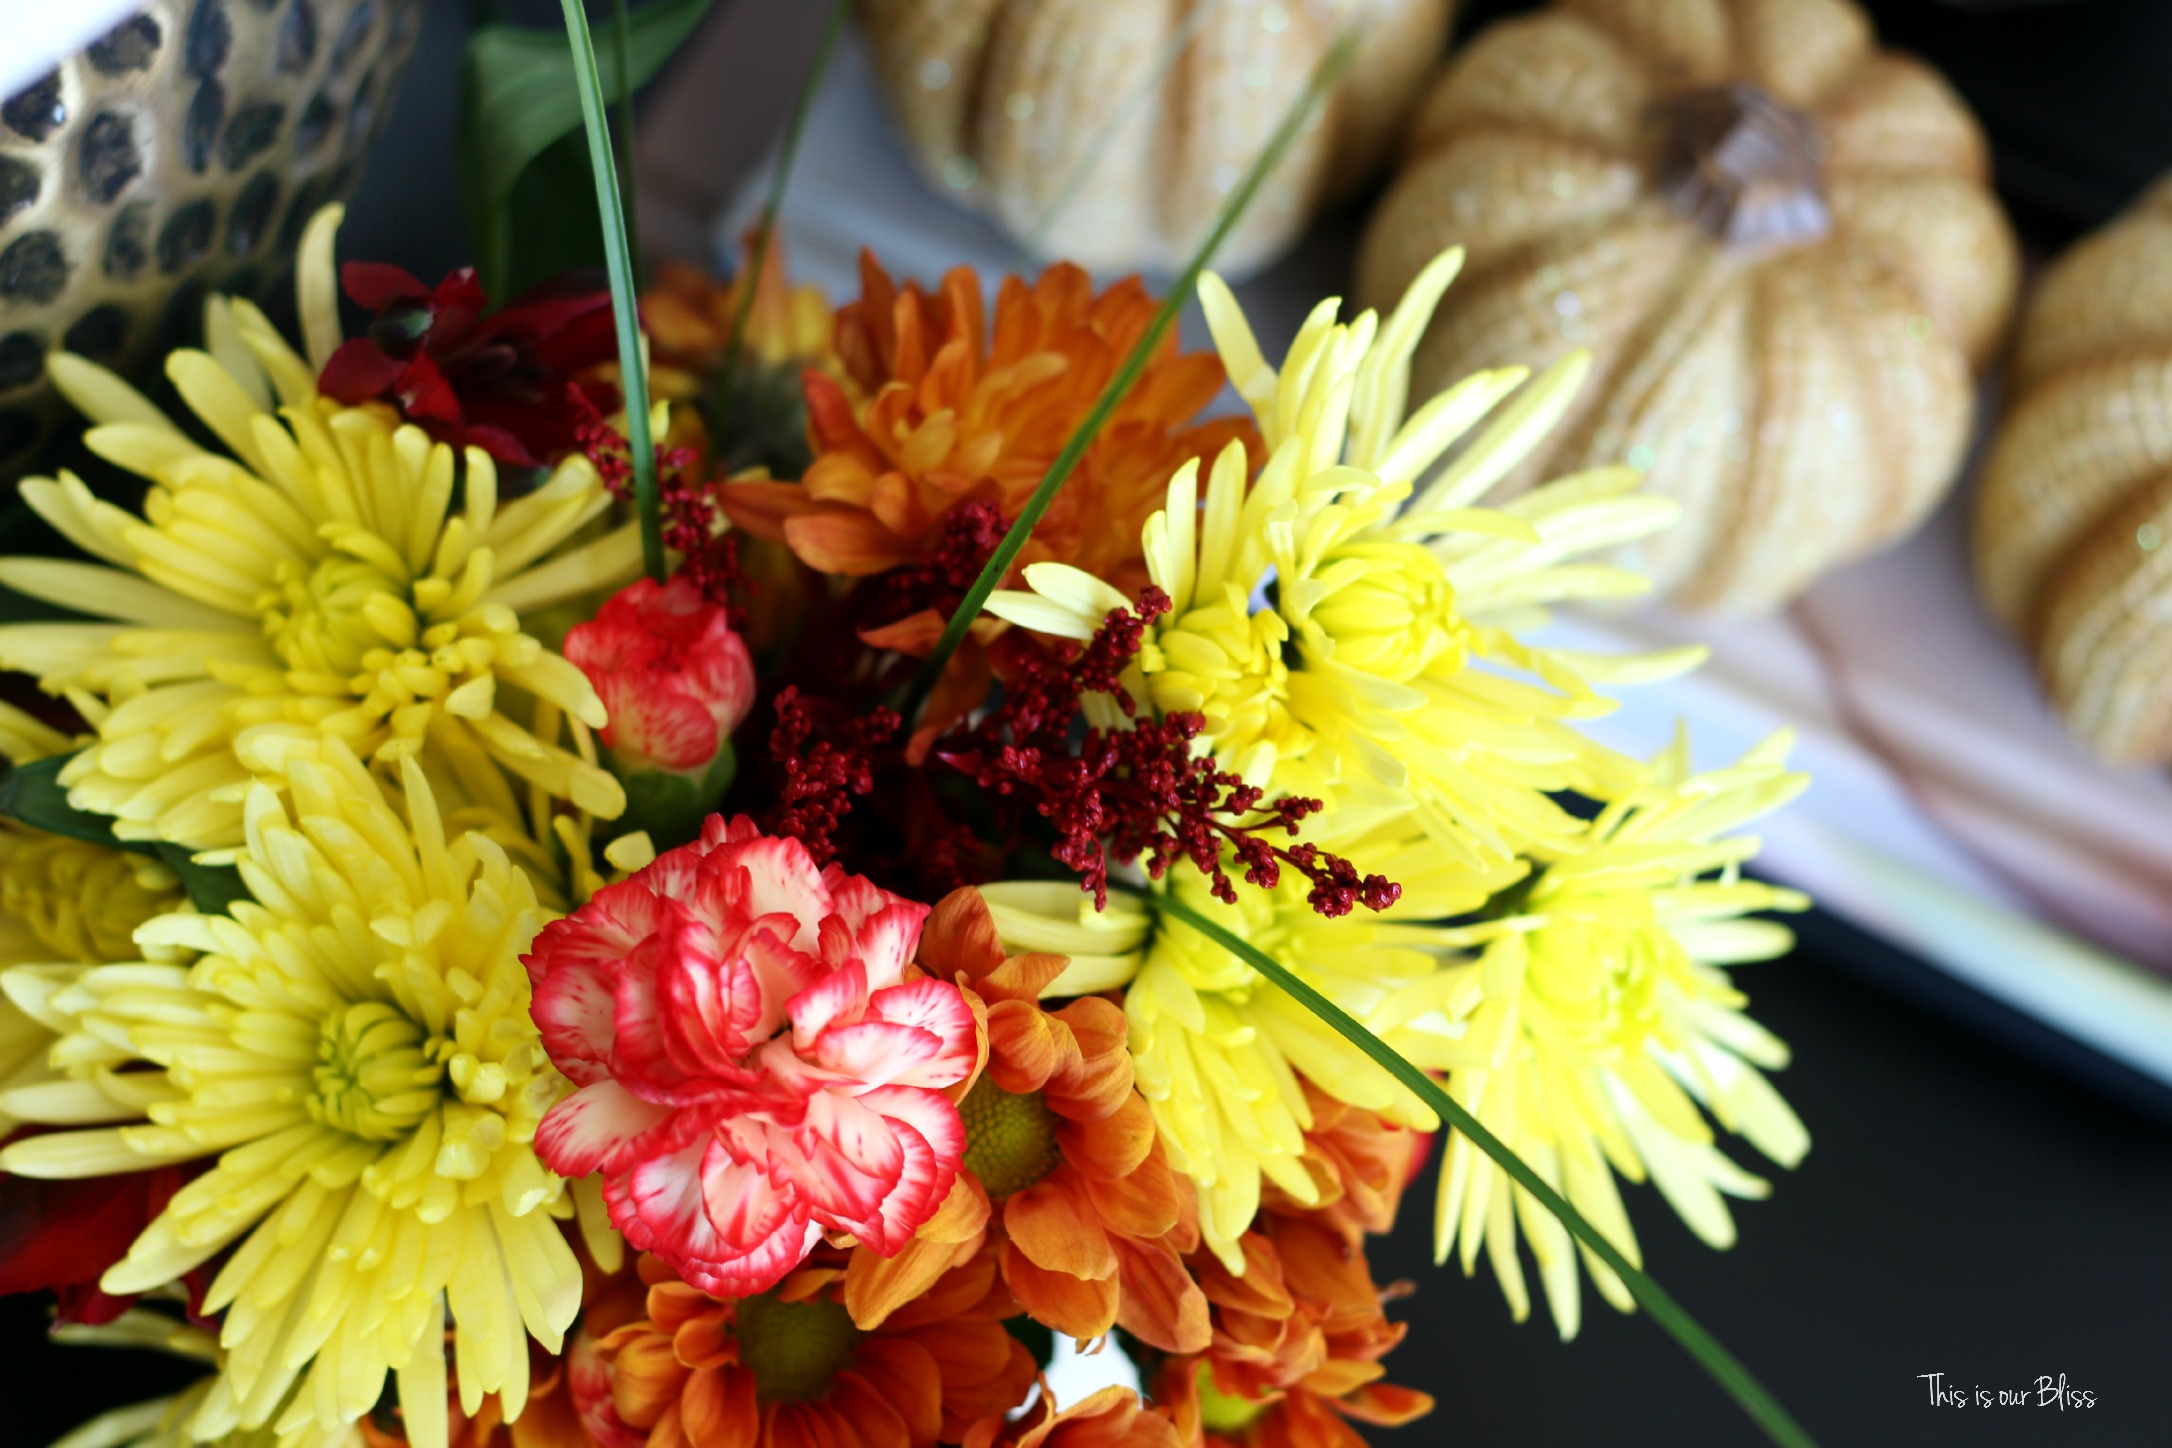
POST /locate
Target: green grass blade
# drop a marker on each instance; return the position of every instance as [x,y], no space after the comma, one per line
[767,227]
[1324,76]
[618,262]
[630,193]
[1724,1367]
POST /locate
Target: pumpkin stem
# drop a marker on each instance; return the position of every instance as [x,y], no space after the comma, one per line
[1744,167]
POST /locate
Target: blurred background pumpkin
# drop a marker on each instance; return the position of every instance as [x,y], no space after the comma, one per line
[1776,238]
[1112,131]
[2073,521]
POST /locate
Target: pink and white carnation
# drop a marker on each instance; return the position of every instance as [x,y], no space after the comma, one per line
[757,1061]
[673,675]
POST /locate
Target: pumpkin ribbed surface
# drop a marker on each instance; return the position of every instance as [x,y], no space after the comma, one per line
[2073,523]
[1775,238]
[1112,132]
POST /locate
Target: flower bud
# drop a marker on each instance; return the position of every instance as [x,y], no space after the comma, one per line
[676,681]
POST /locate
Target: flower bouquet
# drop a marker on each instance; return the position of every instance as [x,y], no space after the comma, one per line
[545,907]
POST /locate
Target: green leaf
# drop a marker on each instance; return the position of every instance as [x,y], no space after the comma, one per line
[1324,76]
[519,96]
[32,794]
[552,210]
[618,261]
[1724,1367]
[211,888]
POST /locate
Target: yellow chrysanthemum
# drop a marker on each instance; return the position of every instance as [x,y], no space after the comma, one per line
[1350,636]
[316,576]
[1597,1018]
[64,903]
[164,1422]
[356,1045]
[1217,1048]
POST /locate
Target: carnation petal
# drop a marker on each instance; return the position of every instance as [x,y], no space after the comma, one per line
[776,876]
[839,996]
[933,1136]
[781,972]
[605,1127]
[712,1005]
[886,941]
[848,1158]
[743,1201]
[653,720]
[574,1005]
[936,1009]
[880,1052]
[720,672]
[640,1055]
[660,1207]
[857,898]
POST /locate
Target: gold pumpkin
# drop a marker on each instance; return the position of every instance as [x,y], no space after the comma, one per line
[1113,131]
[2073,525]
[1774,237]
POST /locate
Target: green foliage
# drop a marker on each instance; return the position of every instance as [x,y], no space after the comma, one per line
[619,263]
[671,807]
[531,204]
[32,794]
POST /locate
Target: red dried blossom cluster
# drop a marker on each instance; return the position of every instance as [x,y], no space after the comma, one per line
[1142,792]
[711,559]
[970,535]
[821,775]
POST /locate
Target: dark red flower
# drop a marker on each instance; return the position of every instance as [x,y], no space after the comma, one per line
[61,1236]
[497,382]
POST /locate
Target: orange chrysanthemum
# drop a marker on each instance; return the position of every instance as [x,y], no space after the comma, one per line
[1062,1165]
[761,420]
[689,316]
[953,414]
[1297,1346]
[789,1369]
[1110,1418]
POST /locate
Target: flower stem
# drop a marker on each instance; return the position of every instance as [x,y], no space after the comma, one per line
[618,262]
[767,227]
[1724,1367]
[1324,76]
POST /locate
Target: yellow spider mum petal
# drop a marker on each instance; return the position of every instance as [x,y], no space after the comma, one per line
[1351,638]
[1218,1049]
[1596,1028]
[166,1422]
[332,570]
[64,904]
[355,1045]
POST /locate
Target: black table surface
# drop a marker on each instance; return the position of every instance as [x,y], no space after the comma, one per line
[1982,1201]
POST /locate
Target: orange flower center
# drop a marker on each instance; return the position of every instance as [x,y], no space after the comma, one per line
[794,1348]
[1010,1141]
